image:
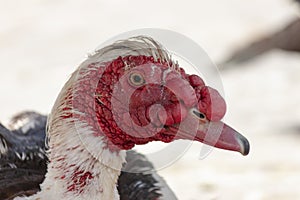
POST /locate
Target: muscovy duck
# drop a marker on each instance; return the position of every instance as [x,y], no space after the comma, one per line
[110,104]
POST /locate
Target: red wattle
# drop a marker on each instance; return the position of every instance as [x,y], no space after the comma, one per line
[182,91]
[172,114]
[212,104]
[196,81]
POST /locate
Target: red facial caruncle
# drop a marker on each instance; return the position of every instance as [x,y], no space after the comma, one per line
[139,99]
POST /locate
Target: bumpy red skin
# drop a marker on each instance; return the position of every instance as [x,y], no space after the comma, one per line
[124,110]
[128,114]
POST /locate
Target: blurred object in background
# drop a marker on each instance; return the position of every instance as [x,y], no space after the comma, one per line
[288,39]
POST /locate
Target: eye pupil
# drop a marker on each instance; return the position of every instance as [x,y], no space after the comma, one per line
[137,79]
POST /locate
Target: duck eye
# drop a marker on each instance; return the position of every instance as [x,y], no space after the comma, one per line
[136,79]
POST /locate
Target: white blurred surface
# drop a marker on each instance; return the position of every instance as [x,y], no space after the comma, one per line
[42,42]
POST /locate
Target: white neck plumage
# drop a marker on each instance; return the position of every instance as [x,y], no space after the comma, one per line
[81,166]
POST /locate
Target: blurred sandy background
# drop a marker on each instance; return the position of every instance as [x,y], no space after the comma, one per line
[42,42]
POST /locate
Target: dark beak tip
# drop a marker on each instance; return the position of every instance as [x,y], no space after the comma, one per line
[245,146]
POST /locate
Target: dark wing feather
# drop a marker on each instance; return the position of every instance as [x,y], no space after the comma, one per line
[18,182]
[139,180]
[23,159]
[25,142]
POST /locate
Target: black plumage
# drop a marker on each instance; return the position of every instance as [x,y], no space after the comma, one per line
[23,146]
[18,182]
[136,178]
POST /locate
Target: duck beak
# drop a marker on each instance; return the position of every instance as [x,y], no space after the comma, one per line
[220,135]
[216,134]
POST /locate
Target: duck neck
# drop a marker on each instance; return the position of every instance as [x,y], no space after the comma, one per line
[81,164]
[75,173]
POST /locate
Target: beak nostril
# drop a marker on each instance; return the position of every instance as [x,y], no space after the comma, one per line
[199,114]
